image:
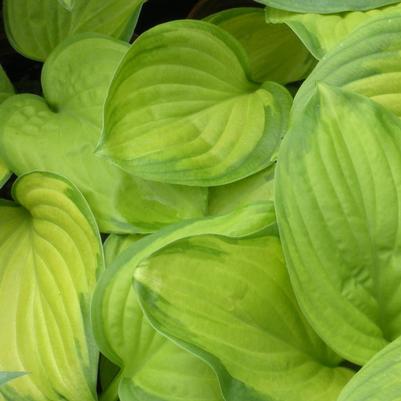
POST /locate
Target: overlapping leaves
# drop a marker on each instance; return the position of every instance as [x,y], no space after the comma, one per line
[59,133]
[176,114]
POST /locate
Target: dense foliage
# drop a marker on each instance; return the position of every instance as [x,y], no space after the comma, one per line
[207,211]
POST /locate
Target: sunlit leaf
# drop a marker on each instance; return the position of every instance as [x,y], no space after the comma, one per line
[59,133]
[50,257]
[183,110]
[230,301]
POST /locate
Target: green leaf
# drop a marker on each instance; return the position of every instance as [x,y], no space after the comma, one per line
[182,109]
[153,368]
[322,32]
[256,188]
[50,257]
[275,53]
[35,27]
[115,284]
[337,203]
[6,90]
[379,379]
[230,301]
[59,133]
[67,4]
[8,376]
[367,62]
[326,6]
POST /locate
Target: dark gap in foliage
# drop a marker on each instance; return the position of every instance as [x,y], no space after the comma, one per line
[5,192]
[155,12]
[350,365]
[204,8]
[23,73]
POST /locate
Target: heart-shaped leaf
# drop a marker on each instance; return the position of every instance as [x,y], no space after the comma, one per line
[338,202]
[183,110]
[59,133]
[36,27]
[326,6]
[50,256]
[379,379]
[275,53]
[367,62]
[152,366]
[322,32]
[230,301]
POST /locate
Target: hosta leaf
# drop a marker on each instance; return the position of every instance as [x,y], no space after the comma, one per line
[337,202]
[275,53]
[256,188]
[36,27]
[326,6]
[114,287]
[59,133]
[8,376]
[50,256]
[152,366]
[367,62]
[230,301]
[6,90]
[182,109]
[379,379]
[67,4]
[322,32]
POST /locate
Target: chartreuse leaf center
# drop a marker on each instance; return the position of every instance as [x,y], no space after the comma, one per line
[182,109]
[50,257]
[230,302]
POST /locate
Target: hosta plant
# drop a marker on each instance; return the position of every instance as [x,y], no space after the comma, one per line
[205,211]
